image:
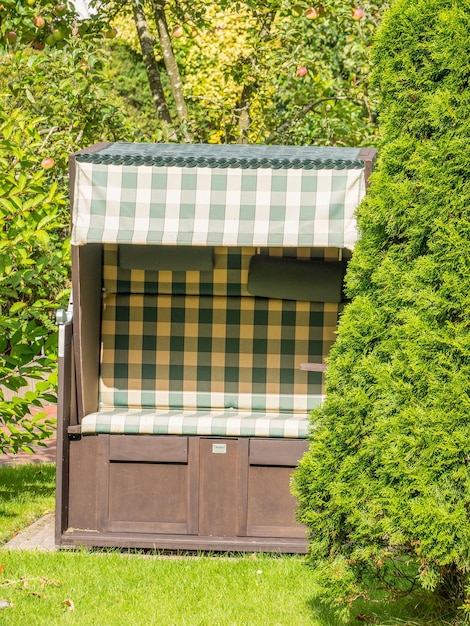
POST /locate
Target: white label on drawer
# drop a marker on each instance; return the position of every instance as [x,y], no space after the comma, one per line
[219,448]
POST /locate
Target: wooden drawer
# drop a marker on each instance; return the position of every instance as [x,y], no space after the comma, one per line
[278,452]
[148,449]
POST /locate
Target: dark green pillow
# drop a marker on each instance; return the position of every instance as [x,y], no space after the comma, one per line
[295,279]
[170,258]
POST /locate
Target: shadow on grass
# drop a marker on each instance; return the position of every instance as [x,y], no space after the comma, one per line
[418,609]
[24,483]
[27,480]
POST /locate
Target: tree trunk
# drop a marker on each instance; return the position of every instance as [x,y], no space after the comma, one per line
[170,63]
[242,109]
[243,112]
[153,74]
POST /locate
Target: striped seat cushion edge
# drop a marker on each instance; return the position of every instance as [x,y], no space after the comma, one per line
[213,423]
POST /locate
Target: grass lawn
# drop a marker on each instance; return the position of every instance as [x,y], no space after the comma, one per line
[118,589]
[111,588]
[26,494]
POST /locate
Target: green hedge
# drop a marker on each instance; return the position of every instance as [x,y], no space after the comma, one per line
[385,486]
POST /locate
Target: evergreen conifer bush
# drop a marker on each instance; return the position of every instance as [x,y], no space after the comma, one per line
[385,486]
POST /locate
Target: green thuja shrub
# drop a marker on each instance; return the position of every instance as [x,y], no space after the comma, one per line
[385,486]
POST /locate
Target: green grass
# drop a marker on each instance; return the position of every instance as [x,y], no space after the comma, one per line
[26,494]
[119,589]
[110,588]
[114,589]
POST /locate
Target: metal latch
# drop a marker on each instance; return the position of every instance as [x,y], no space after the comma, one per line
[63,317]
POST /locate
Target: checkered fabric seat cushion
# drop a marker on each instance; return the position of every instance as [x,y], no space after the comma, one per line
[213,423]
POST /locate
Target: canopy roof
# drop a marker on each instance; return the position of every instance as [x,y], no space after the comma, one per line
[228,195]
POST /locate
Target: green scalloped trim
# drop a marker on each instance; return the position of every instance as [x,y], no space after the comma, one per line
[316,164]
[217,157]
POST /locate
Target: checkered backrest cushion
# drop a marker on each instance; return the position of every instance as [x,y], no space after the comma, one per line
[198,340]
[228,278]
[163,351]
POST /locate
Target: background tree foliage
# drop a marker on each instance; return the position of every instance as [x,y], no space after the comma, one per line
[385,486]
[52,102]
[237,69]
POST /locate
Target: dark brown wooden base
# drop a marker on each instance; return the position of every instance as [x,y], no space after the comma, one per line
[177,543]
[182,493]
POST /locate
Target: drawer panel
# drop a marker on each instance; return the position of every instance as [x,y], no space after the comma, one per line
[278,452]
[148,449]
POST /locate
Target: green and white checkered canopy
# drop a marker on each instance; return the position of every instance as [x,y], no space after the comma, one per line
[217,195]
